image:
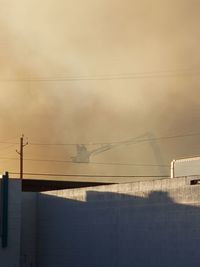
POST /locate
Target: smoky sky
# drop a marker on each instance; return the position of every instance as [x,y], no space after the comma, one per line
[55,40]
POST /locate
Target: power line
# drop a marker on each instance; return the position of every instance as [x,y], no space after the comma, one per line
[132,73]
[4,158]
[6,141]
[89,163]
[61,75]
[58,144]
[128,164]
[118,142]
[107,143]
[86,175]
[10,143]
[7,147]
[138,75]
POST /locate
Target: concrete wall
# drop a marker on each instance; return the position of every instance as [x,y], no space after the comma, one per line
[28,229]
[10,256]
[141,224]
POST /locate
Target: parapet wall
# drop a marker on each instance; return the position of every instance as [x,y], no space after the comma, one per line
[153,223]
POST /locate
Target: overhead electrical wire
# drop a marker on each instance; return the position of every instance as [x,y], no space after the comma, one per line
[86,175]
[138,140]
[118,142]
[89,163]
[67,75]
[128,141]
[10,143]
[7,147]
[118,76]
[7,141]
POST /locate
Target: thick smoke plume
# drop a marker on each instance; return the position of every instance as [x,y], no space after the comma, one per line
[100,41]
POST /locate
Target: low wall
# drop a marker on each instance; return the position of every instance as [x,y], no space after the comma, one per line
[141,224]
[29,229]
[10,255]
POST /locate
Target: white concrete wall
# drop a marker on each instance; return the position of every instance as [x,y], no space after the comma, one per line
[10,256]
[143,224]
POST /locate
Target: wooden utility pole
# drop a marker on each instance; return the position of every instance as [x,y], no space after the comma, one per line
[21,154]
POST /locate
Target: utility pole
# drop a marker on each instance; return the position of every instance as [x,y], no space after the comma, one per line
[21,154]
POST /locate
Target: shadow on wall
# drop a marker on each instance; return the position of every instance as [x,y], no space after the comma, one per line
[117,230]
